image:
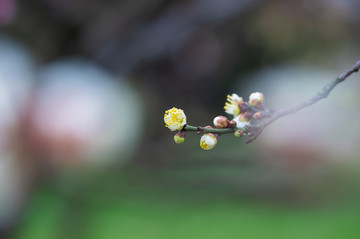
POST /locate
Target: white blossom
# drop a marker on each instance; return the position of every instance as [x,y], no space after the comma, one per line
[175,119]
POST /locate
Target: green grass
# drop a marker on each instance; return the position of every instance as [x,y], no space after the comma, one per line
[52,216]
[207,198]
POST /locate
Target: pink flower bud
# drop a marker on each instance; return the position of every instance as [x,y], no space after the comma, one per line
[258,115]
[221,122]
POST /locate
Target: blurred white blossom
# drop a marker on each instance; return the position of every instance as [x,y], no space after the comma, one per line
[84,112]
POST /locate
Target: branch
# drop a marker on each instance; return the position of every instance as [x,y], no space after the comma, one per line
[250,118]
[256,130]
[253,131]
[204,130]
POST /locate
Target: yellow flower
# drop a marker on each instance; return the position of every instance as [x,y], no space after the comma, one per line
[232,107]
[175,119]
[208,141]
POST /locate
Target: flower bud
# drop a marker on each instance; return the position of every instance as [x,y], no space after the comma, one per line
[238,133]
[208,141]
[258,115]
[179,138]
[247,115]
[221,122]
[256,98]
[232,124]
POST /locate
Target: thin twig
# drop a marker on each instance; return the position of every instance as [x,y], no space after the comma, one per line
[253,131]
[256,130]
[203,130]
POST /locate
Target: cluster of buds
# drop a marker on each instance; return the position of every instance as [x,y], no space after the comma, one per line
[243,113]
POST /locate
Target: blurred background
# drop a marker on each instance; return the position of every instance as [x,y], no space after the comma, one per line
[83,148]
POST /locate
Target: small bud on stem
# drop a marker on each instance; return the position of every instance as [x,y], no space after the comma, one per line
[258,115]
[238,133]
[179,138]
[208,141]
[221,122]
